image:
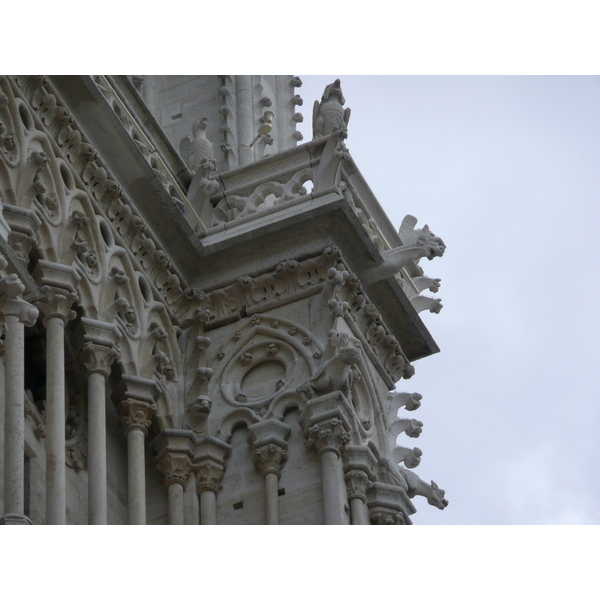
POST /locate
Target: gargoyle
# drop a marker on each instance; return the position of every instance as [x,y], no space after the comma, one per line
[411,427]
[410,457]
[335,375]
[417,487]
[425,246]
[329,114]
[196,414]
[397,399]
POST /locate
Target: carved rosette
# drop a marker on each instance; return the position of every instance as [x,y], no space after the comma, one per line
[270,458]
[208,475]
[98,358]
[176,468]
[136,414]
[357,483]
[329,435]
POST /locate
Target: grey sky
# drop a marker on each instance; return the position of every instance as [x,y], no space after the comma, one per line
[506,171]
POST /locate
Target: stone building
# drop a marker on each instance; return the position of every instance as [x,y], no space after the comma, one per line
[204,319]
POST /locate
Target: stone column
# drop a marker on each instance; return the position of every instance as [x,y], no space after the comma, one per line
[137,410]
[18,314]
[359,463]
[176,468]
[209,465]
[58,285]
[99,352]
[326,422]
[269,447]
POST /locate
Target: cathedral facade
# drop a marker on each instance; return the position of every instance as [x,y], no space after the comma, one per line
[204,316]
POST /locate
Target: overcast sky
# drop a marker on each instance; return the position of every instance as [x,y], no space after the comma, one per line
[506,170]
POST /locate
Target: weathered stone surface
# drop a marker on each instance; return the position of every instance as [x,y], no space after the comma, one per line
[240,311]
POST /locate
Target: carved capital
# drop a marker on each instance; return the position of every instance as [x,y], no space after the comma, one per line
[59,285]
[329,435]
[99,348]
[208,475]
[267,439]
[389,505]
[175,467]
[270,458]
[209,463]
[97,358]
[57,302]
[136,414]
[26,313]
[387,517]
[357,483]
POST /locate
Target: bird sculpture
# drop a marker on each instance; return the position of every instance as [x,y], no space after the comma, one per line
[329,114]
[198,150]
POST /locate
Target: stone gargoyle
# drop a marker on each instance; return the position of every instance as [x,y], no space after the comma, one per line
[335,375]
[329,114]
[417,487]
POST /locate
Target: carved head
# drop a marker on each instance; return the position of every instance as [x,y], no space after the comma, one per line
[199,407]
[334,92]
[200,125]
[350,355]
[169,372]
[437,497]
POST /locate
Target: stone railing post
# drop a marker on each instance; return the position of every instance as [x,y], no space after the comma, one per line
[326,424]
[137,410]
[58,283]
[17,314]
[209,465]
[358,468]
[99,352]
[267,439]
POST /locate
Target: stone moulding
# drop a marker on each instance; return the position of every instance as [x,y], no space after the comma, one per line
[104,193]
[293,280]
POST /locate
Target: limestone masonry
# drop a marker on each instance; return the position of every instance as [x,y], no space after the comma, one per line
[204,316]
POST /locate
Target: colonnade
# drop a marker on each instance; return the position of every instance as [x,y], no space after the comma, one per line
[181,455]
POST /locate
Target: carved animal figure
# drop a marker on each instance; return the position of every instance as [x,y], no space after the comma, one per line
[417,487]
[196,414]
[425,246]
[329,114]
[198,150]
[335,375]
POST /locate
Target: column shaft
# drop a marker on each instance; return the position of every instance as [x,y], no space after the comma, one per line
[175,492]
[14,425]
[272,494]
[55,422]
[331,467]
[208,507]
[97,482]
[357,512]
[136,476]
